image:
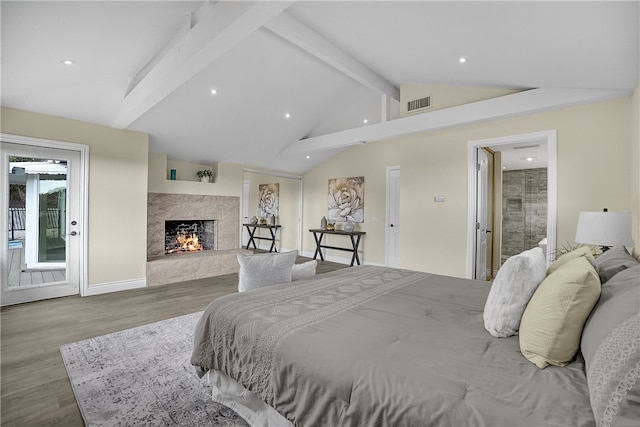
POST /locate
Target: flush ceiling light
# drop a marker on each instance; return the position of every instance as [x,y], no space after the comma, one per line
[213,91]
[287,115]
[68,61]
[462,60]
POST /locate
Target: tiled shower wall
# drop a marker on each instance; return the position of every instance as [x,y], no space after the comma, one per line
[524,210]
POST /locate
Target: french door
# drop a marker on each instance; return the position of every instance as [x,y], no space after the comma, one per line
[43,221]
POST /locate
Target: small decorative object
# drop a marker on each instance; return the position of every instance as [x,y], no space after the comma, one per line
[331,226]
[348,227]
[205,175]
[253,220]
[263,221]
[272,220]
[173,174]
[323,223]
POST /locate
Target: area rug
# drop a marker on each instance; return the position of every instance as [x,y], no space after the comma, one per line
[143,377]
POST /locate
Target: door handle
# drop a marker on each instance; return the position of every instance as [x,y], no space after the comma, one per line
[390,225]
[74,233]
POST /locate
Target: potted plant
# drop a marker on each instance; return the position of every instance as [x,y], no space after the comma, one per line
[205,175]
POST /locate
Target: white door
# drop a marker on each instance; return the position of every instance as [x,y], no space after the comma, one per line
[245,212]
[393,217]
[481,215]
[42,250]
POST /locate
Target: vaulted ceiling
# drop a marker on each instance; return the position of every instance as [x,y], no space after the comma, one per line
[150,66]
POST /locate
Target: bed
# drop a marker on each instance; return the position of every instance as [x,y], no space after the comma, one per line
[378,346]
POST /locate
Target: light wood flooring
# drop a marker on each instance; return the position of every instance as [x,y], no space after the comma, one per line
[35,389]
[20,276]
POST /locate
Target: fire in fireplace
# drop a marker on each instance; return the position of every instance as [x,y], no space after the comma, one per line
[188,236]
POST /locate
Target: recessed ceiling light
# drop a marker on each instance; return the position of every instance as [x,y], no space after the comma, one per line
[308,157]
[365,121]
[68,61]
[462,60]
[213,91]
[287,115]
[528,159]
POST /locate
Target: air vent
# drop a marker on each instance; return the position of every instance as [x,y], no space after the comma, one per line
[419,104]
[522,147]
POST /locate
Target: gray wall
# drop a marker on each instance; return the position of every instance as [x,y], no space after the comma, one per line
[524,210]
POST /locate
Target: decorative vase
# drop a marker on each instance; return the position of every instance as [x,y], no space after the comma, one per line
[348,227]
[253,220]
[272,220]
[323,223]
[204,178]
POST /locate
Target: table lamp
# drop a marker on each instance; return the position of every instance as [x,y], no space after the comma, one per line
[604,229]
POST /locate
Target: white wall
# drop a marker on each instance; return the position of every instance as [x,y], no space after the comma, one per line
[594,148]
[117,191]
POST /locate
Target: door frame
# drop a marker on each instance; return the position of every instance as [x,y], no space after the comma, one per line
[483,213]
[550,136]
[387,230]
[277,175]
[83,184]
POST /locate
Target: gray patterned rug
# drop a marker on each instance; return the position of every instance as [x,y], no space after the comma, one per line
[143,377]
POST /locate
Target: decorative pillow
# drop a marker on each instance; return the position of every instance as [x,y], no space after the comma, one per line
[552,322]
[304,270]
[260,270]
[614,261]
[582,251]
[611,349]
[511,290]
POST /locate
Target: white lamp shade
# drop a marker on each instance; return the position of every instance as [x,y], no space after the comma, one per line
[604,228]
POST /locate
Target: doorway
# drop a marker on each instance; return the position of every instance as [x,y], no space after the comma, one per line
[502,146]
[44,223]
[285,203]
[392,237]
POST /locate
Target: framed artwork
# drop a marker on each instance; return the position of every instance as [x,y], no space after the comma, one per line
[346,199]
[268,203]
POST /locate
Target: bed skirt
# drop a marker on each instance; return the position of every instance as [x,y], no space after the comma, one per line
[256,413]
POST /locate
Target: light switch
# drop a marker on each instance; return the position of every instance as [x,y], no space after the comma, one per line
[438,199]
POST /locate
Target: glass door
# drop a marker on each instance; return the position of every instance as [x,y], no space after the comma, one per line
[41,251]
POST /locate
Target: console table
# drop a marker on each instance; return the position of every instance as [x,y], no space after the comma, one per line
[318,234]
[251,229]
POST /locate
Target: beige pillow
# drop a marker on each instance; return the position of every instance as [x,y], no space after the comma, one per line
[552,323]
[582,251]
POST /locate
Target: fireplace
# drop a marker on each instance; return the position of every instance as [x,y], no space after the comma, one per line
[185,236]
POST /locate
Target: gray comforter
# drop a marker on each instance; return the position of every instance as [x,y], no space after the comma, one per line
[375,346]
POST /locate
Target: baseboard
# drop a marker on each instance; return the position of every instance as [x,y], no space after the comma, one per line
[331,258]
[124,285]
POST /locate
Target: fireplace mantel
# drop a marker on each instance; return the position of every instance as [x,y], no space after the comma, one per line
[224,210]
[161,207]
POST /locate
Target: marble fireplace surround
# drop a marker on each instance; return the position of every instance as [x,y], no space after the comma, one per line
[224,210]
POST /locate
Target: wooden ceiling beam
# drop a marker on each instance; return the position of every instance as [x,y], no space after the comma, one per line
[218,29]
[292,30]
[513,105]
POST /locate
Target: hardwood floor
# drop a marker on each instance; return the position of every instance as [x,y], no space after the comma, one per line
[35,389]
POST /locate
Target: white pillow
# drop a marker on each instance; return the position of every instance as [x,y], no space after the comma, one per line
[511,291]
[304,270]
[260,270]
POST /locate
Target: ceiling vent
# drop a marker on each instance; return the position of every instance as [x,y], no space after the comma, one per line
[419,104]
[523,147]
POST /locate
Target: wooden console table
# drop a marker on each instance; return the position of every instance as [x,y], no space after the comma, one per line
[251,229]
[355,236]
